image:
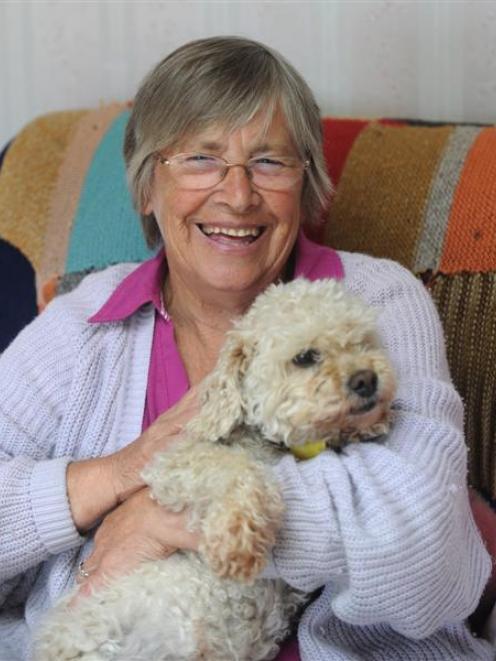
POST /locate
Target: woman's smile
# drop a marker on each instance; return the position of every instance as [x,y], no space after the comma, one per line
[231,237]
[220,232]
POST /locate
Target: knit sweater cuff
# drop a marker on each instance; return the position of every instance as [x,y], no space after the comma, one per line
[307,549]
[51,509]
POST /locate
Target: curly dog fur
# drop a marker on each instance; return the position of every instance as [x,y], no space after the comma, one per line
[303,364]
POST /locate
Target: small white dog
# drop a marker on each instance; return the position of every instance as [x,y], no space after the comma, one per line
[302,367]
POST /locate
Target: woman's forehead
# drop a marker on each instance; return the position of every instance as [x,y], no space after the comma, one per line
[261,133]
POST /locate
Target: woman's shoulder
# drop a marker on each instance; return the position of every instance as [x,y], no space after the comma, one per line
[91,293]
[404,304]
[66,317]
[368,276]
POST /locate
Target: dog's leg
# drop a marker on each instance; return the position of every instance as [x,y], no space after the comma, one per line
[233,500]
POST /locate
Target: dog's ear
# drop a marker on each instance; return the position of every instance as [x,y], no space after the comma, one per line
[221,400]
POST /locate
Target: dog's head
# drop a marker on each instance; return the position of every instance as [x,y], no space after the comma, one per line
[304,363]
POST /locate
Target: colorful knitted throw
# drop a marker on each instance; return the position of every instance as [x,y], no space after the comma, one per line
[422,194]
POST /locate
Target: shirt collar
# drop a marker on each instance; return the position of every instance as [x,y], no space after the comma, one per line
[144,284]
[316,262]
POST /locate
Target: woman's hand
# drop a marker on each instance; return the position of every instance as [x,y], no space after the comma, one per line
[127,463]
[137,531]
[96,486]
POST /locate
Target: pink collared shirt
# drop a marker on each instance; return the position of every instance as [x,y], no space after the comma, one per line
[167,378]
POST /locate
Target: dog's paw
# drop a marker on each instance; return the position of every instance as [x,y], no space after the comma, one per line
[236,539]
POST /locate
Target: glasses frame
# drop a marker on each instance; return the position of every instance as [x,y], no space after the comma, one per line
[164,160]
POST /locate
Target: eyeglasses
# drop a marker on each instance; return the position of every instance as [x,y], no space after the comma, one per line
[195,171]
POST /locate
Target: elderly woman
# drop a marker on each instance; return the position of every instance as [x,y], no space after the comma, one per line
[224,158]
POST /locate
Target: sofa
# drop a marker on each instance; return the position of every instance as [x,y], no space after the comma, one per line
[423,194]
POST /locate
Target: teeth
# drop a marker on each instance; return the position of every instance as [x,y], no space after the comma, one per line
[232,231]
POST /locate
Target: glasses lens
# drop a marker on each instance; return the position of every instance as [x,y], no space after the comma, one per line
[278,173]
[197,171]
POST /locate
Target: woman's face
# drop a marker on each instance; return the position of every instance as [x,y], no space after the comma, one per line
[195,224]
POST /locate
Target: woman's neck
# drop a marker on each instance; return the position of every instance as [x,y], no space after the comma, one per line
[200,324]
[200,316]
[204,312]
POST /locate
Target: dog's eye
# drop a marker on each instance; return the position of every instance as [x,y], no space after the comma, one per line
[306,358]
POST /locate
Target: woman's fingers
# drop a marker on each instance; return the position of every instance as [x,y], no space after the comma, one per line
[128,463]
[101,575]
[96,486]
[176,417]
[114,564]
[139,530]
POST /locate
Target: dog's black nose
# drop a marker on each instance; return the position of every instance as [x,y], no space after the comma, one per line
[363,383]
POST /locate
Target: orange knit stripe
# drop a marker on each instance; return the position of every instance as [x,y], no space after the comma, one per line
[470,242]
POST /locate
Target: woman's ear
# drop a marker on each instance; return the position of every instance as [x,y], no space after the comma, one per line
[222,407]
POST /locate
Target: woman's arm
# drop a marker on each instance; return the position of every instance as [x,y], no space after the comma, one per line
[35,519]
[388,525]
[38,375]
[46,503]
[96,486]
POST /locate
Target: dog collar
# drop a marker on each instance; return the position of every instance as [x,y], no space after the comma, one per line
[308,450]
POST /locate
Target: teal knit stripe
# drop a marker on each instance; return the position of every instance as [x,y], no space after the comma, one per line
[106,228]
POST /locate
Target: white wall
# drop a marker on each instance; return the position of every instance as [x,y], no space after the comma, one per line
[432,59]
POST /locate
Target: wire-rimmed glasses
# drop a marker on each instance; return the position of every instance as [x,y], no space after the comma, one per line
[196,171]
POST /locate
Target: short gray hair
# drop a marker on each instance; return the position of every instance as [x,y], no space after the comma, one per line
[224,80]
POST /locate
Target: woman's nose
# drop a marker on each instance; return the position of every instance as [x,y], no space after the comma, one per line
[236,188]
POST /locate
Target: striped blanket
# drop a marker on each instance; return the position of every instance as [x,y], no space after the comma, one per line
[422,194]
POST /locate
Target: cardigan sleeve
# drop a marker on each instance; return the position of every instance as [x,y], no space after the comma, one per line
[35,517]
[387,525]
[49,383]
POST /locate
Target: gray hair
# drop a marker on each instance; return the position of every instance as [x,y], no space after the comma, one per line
[224,80]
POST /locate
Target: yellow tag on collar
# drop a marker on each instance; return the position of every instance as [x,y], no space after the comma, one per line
[308,450]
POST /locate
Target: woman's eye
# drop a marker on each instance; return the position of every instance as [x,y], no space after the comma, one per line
[268,162]
[199,163]
[266,165]
[200,158]
[306,358]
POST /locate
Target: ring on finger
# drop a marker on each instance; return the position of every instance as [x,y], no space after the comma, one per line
[82,572]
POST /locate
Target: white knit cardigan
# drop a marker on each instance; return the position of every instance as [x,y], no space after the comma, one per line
[385,529]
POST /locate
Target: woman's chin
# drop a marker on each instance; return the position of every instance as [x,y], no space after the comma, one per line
[236,285]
